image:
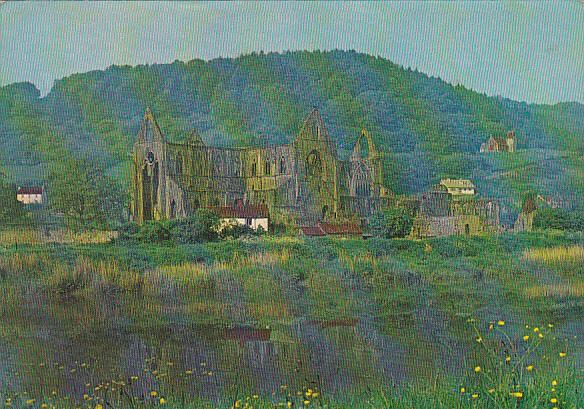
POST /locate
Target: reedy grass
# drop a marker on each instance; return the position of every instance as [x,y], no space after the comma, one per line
[201,279]
[28,235]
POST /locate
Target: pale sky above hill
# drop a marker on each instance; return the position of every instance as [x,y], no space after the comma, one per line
[528,51]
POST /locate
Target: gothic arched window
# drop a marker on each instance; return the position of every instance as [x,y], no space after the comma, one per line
[172,209]
[155,183]
[177,165]
[313,164]
[361,180]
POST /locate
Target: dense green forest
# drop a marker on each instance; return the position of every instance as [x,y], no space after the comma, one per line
[426,128]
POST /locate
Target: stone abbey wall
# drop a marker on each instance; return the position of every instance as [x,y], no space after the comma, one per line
[304,178]
[438,214]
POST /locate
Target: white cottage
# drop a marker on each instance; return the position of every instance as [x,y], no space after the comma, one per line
[30,195]
[459,187]
[245,215]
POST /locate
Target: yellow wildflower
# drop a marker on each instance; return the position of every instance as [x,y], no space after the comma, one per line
[98,406]
[517,394]
[554,383]
[477,369]
[529,368]
[553,400]
[475,395]
[44,406]
[536,329]
[526,337]
[479,340]
[462,390]
[508,359]
[562,354]
[255,396]
[162,401]
[289,404]
[237,403]
[500,323]
[540,335]
[30,402]
[306,402]
[153,394]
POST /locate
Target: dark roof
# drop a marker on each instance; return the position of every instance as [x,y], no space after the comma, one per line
[30,190]
[323,229]
[341,228]
[242,211]
[312,231]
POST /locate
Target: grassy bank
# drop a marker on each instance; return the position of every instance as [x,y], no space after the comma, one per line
[407,322]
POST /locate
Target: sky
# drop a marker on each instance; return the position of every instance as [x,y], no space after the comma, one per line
[527,51]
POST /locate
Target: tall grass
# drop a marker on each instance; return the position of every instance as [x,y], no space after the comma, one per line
[273,281]
[28,235]
[567,259]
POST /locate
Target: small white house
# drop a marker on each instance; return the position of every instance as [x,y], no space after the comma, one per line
[459,187]
[30,195]
[244,215]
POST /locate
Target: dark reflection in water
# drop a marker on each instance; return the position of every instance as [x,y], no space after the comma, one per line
[73,348]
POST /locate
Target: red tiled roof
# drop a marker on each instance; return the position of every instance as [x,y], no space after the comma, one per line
[312,231]
[30,190]
[323,229]
[242,211]
[341,228]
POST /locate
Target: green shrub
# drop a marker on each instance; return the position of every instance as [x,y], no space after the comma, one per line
[560,219]
[202,226]
[129,231]
[154,232]
[390,223]
[237,230]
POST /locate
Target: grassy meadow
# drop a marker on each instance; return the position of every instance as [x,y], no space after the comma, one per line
[482,322]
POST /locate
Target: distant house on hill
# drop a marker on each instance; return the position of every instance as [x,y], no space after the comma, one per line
[459,187]
[244,215]
[500,144]
[30,194]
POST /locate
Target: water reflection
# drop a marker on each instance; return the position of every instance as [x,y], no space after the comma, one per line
[77,346]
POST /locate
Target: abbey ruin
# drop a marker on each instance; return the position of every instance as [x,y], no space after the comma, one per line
[305,178]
